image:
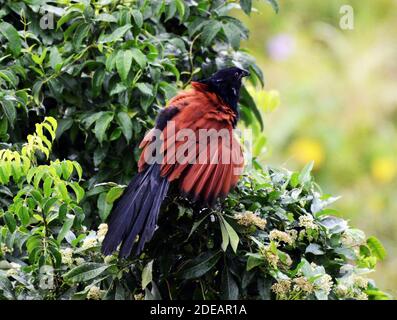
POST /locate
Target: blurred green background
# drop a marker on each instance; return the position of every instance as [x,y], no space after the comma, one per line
[338,91]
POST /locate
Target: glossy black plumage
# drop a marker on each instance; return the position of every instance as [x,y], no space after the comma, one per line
[136,213]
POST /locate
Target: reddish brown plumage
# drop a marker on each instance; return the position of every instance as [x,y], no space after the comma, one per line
[200,109]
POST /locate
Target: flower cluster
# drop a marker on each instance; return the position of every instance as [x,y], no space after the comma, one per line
[14,269]
[288,237]
[352,286]
[102,230]
[250,219]
[94,293]
[293,289]
[307,221]
[67,256]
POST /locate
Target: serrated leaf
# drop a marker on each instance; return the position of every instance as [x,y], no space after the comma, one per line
[225,235]
[115,35]
[233,236]
[125,124]
[210,31]
[12,36]
[55,59]
[9,111]
[138,19]
[376,247]
[139,57]
[233,34]
[102,124]
[103,206]
[304,175]
[113,194]
[145,88]
[123,63]
[85,272]
[67,225]
[200,265]
[97,81]
[10,221]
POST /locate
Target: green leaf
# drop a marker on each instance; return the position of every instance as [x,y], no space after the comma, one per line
[55,59]
[9,111]
[113,194]
[315,249]
[97,81]
[103,206]
[145,88]
[304,175]
[78,168]
[233,236]
[294,180]
[376,247]
[247,101]
[47,186]
[230,289]
[115,35]
[200,265]
[106,17]
[36,89]
[196,225]
[225,235]
[210,31]
[10,221]
[39,59]
[125,124]
[138,19]
[85,272]
[65,229]
[139,57]
[180,7]
[102,124]
[233,34]
[80,34]
[12,36]
[10,77]
[6,288]
[123,63]
[23,215]
[169,90]
[147,274]
[246,5]
[254,260]
[79,191]
[63,191]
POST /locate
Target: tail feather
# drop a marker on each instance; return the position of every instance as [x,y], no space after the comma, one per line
[136,213]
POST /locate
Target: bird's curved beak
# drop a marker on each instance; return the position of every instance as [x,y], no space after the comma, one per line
[245,73]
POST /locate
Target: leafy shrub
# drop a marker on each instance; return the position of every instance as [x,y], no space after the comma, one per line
[103,73]
[274,237]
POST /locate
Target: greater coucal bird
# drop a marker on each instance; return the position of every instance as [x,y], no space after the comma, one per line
[207,173]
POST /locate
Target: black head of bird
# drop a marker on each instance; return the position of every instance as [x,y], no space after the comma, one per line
[226,83]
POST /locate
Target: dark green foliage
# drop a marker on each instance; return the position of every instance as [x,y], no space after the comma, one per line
[105,70]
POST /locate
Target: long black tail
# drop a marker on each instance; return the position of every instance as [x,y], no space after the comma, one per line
[136,213]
